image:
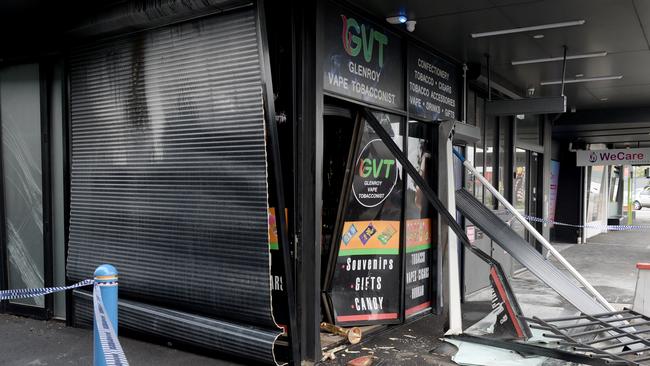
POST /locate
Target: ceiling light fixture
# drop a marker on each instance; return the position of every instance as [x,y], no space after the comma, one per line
[582,80]
[579,75]
[399,19]
[538,36]
[559,58]
[528,29]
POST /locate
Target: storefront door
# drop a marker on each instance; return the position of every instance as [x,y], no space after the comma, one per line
[377,228]
[25,236]
[525,191]
[363,276]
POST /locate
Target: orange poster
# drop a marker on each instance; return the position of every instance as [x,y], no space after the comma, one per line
[370,238]
[418,235]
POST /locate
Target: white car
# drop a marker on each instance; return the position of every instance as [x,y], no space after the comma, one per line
[642,199]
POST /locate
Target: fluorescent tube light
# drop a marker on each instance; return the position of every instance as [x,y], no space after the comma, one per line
[582,80]
[528,29]
[560,58]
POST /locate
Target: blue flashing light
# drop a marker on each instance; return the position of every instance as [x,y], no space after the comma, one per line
[402,19]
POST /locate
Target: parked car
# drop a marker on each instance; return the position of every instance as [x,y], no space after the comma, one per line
[642,199]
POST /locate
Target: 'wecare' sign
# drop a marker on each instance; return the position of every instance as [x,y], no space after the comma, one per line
[613,157]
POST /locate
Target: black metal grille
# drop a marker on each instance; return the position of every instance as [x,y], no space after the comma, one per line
[621,337]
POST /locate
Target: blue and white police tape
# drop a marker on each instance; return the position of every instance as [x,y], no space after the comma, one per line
[590,226]
[113,353]
[34,292]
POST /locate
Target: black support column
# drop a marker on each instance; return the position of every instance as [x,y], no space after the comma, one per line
[308,177]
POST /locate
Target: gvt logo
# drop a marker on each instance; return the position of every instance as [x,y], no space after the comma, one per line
[374,167]
[357,37]
[593,157]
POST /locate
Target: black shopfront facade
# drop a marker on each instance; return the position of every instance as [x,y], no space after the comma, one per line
[376,236]
[182,136]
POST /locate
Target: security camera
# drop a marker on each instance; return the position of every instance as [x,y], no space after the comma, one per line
[410,25]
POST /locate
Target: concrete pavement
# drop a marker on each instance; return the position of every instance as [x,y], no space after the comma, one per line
[29,342]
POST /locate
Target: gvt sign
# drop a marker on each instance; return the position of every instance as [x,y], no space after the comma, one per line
[376,174]
[613,157]
[363,61]
[356,37]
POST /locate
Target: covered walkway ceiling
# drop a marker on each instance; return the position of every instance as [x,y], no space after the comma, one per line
[618,27]
[619,126]
[621,28]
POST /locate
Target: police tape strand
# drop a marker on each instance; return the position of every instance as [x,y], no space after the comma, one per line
[113,353]
[590,226]
[34,292]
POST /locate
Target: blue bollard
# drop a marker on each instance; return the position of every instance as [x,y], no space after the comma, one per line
[106,277]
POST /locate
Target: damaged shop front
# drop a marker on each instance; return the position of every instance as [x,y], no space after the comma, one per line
[380,257]
[251,171]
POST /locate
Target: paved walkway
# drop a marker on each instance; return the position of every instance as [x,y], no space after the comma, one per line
[28,342]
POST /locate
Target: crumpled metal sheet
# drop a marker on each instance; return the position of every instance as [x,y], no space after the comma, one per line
[169,174]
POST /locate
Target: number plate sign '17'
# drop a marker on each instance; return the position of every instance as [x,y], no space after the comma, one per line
[363,61]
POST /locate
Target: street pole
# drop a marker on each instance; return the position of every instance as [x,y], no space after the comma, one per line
[630,176]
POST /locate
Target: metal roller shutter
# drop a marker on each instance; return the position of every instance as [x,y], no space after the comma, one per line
[169,177]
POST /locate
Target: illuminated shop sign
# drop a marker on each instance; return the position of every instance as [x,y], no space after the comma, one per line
[613,157]
[362,60]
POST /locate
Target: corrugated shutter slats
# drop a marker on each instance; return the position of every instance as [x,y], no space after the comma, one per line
[169,175]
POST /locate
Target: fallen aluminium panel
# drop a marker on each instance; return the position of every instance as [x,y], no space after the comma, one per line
[523,252]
